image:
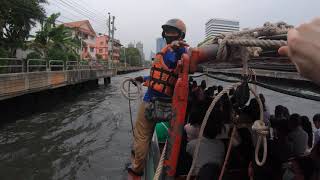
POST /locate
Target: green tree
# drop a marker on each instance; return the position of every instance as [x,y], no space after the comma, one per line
[17,17]
[133,56]
[55,42]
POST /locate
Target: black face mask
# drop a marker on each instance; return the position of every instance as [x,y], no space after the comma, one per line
[170,39]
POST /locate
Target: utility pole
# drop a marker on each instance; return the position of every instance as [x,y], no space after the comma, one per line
[109,42]
[125,58]
[112,34]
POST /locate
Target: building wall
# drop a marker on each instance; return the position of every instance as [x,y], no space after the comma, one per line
[116,51]
[102,46]
[161,43]
[216,26]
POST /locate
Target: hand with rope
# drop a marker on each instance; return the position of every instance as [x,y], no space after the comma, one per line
[304,49]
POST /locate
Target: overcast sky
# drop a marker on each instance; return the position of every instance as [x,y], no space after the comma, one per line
[141,20]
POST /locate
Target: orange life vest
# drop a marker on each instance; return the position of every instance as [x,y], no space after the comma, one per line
[162,78]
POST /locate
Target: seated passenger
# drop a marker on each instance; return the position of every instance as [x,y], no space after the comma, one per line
[211,150]
[307,127]
[316,122]
[297,136]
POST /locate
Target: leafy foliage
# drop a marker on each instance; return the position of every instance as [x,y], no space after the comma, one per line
[132,55]
[17,17]
[55,42]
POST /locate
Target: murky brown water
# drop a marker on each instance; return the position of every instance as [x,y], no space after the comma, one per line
[89,138]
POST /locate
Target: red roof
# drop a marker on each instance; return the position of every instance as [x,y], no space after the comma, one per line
[79,25]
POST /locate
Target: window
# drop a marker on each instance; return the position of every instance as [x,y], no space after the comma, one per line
[92,37]
[101,43]
[91,49]
[85,36]
[100,50]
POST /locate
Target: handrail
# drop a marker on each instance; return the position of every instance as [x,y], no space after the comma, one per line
[70,65]
[36,65]
[56,65]
[9,67]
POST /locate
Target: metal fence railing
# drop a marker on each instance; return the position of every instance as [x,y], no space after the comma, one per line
[37,65]
[11,65]
[56,65]
[15,65]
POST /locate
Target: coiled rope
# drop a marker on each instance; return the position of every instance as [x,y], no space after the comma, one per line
[131,95]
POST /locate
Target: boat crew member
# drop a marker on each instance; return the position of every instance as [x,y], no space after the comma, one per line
[160,83]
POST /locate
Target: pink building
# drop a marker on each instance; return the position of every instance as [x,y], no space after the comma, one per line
[102,46]
[103,50]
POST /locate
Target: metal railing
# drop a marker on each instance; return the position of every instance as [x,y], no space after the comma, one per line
[72,65]
[11,65]
[56,65]
[15,65]
[37,65]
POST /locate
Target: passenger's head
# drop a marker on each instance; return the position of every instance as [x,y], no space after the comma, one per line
[294,121]
[254,109]
[286,113]
[215,123]
[220,88]
[194,84]
[278,110]
[231,92]
[316,120]
[190,79]
[203,84]
[281,127]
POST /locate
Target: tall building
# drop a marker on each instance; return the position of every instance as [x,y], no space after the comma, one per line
[84,30]
[130,45]
[139,46]
[217,26]
[161,43]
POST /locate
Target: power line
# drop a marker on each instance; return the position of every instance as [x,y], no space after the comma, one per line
[79,11]
[67,9]
[86,10]
[95,23]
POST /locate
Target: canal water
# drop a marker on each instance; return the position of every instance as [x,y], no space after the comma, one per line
[90,137]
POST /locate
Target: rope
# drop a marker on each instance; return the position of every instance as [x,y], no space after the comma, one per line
[248,38]
[130,110]
[160,164]
[203,125]
[226,159]
[262,131]
[131,95]
[257,42]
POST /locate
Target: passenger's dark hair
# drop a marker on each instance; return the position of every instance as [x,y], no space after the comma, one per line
[203,84]
[316,117]
[307,127]
[294,121]
[214,125]
[231,92]
[220,88]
